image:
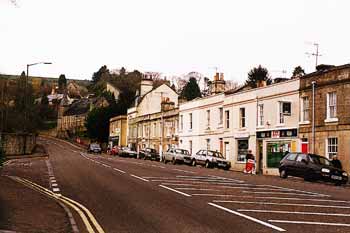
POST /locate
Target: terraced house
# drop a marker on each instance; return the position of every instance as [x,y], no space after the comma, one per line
[325,94]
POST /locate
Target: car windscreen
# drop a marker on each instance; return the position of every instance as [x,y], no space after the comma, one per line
[319,160]
[179,151]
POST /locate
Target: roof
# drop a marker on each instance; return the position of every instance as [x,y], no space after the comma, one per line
[325,69]
[79,107]
[142,97]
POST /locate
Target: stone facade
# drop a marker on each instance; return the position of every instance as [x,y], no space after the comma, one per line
[332,118]
[18,144]
[118,131]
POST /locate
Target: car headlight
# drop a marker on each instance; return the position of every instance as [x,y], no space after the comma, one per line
[325,170]
[345,174]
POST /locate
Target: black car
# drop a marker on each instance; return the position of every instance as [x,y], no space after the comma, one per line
[311,167]
[149,153]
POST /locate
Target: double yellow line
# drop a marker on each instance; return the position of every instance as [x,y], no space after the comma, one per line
[83,212]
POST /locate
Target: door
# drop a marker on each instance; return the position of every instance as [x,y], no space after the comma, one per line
[304,147]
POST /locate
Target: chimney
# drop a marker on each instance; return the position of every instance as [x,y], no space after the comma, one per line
[261,83]
[218,85]
[167,105]
[146,84]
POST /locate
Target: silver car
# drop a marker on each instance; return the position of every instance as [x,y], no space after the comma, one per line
[209,158]
[175,155]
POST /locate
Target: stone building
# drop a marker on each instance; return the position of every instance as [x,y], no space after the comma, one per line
[118,131]
[331,106]
[153,121]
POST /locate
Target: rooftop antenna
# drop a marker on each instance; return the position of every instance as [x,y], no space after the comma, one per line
[316,54]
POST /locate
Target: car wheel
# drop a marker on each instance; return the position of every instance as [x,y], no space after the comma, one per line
[283,174]
[173,161]
[207,164]
[193,163]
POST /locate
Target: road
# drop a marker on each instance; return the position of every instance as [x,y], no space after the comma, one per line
[131,195]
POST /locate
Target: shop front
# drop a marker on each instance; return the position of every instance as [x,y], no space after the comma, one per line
[275,144]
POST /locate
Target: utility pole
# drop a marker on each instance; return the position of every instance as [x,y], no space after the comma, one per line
[315,54]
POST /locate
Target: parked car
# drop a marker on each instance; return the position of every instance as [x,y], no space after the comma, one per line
[311,167]
[209,158]
[94,148]
[149,153]
[175,155]
[127,152]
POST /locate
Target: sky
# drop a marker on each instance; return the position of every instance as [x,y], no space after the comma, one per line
[173,37]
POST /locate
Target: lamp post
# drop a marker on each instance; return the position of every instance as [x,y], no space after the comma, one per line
[25,102]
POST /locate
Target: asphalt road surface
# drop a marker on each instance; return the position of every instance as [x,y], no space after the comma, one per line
[131,195]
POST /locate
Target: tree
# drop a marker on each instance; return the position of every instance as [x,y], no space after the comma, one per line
[191,90]
[257,75]
[62,83]
[97,123]
[298,72]
[102,74]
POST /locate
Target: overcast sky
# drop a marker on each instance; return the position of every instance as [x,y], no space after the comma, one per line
[171,36]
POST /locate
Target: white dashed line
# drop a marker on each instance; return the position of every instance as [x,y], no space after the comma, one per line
[140,178]
[56,190]
[248,217]
[176,191]
[118,170]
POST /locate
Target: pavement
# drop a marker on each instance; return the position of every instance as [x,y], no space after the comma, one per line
[131,195]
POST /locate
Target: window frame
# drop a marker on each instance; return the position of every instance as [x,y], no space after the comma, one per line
[242,118]
[332,99]
[305,111]
[227,119]
[191,121]
[221,115]
[331,154]
[260,115]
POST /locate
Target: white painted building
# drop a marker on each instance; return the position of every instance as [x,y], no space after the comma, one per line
[264,120]
[201,123]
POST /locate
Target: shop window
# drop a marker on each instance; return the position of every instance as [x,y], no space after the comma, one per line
[276,151]
[243,146]
[332,147]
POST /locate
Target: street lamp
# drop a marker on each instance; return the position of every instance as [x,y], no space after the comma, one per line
[25,91]
[25,102]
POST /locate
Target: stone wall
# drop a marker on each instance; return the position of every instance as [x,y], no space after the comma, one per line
[18,144]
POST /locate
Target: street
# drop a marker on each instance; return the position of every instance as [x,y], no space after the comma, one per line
[132,195]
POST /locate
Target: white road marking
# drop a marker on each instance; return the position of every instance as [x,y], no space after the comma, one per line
[312,223]
[247,217]
[282,204]
[176,191]
[201,184]
[179,170]
[139,178]
[293,212]
[193,180]
[282,193]
[106,165]
[224,178]
[295,199]
[302,191]
[54,185]
[195,189]
[56,189]
[116,169]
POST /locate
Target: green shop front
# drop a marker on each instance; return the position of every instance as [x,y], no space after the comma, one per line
[273,145]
